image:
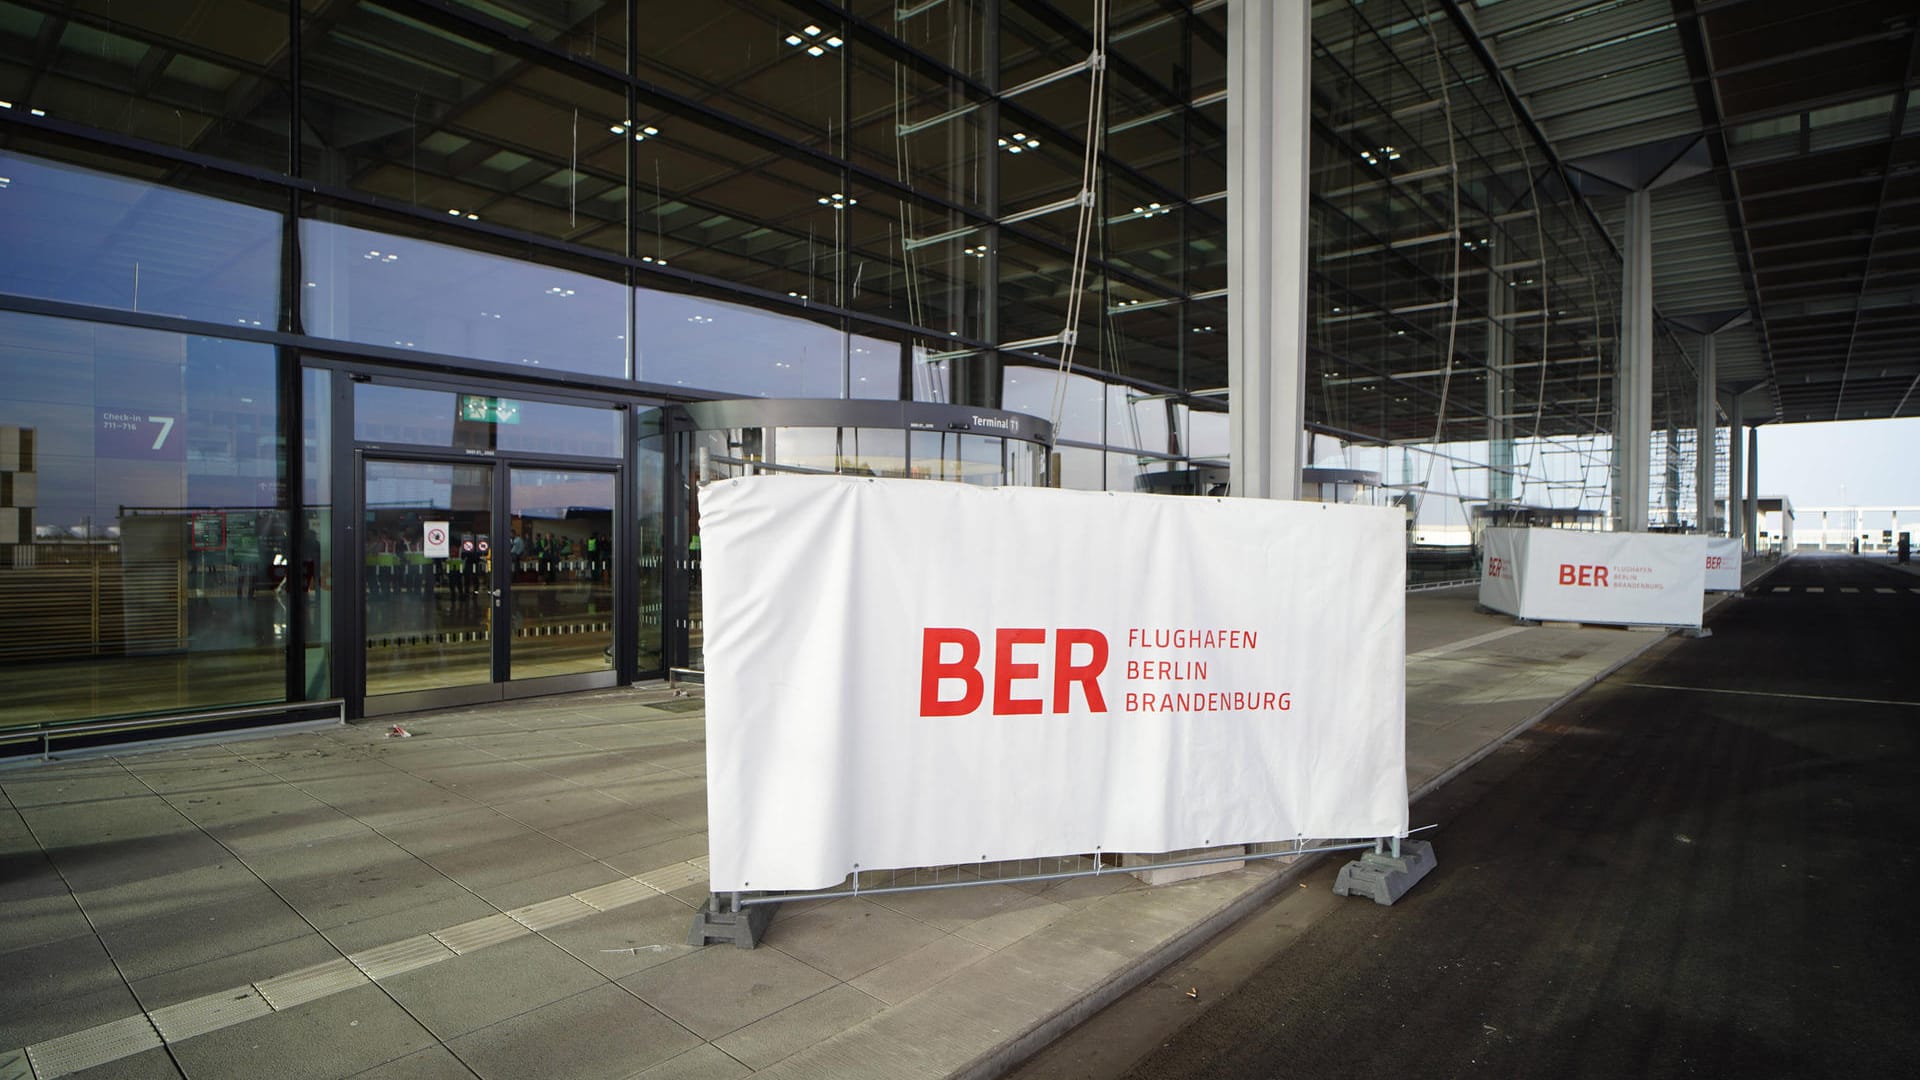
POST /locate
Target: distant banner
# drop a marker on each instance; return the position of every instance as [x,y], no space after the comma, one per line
[1628,579]
[1723,564]
[912,673]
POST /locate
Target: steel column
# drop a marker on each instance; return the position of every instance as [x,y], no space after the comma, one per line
[1269,54]
[1736,478]
[1750,513]
[1632,451]
[1703,448]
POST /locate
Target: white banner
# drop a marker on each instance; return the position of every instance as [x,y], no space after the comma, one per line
[1631,579]
[911,673]
[1723,564]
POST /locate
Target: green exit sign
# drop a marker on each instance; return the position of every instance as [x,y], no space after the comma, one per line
[488,410]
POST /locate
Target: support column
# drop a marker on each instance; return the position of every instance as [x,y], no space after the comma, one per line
[1703,464]
[1499,391]
[1633,435]
[1269,55]
[1736,477]
[1750,514]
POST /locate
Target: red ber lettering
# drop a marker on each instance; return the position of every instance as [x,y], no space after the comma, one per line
[933,671]
[1595,576]
[940,668]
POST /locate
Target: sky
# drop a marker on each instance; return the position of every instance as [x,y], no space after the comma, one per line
[1850,463]
[1853,463]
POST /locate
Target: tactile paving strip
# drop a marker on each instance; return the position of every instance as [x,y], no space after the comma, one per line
[676,876]
[548,914]
[480,933]
[615,894]
[94,1046]
[390,960]
[209,1013]
[310,984]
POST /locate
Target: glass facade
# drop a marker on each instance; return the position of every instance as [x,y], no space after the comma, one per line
[500,242]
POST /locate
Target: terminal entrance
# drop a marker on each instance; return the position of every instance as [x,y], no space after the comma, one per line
[483,581]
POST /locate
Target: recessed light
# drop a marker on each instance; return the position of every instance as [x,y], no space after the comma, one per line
[815,50]
[793,39]
[811,30]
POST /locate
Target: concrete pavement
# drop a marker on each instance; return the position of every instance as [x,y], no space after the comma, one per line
[508,892]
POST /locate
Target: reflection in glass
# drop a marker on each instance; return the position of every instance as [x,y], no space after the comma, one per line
[405,415]
[88,237]
[967,459]
[561,540]
[429,616]
[314,541]
[873,368]
[713,345]
[144,555]
[206,77]
[402,293]
[430,116]
[650,542]
[1081,469]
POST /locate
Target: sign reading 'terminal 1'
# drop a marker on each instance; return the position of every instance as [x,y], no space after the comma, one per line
[907,673]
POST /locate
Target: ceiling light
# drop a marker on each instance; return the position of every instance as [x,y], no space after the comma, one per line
[837,201]
[835,42]
[38,112]
[793,39]
[473,217]
[618,129]
[815,50]
[6,104]
[811,30]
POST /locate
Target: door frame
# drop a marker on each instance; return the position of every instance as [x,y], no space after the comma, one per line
[348,455]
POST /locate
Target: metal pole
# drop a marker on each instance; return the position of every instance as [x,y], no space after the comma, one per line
[1736,477]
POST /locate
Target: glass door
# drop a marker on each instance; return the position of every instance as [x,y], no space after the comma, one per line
[561,524]
[428,583]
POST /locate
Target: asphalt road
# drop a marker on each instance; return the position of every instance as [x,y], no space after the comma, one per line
[1705,866]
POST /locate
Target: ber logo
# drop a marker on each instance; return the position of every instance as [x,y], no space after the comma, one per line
[950,660]
[1715,562]
[1583,575]
[1496,566]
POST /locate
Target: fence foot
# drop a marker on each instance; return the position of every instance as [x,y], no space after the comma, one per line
[1385,876]
[713,923]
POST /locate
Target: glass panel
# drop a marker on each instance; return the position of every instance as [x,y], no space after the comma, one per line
[967,459]
[424,115]
[1137,420]
[206,77]
[815,450]
[1026,464]
[712,345]
[395,415]
[143,536]
[873,368]
[651,541]
[1082,469]
[316,534]
[873,452]
[1030,390]
[92,238]
[562,587]
[428,616]
[404,293]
